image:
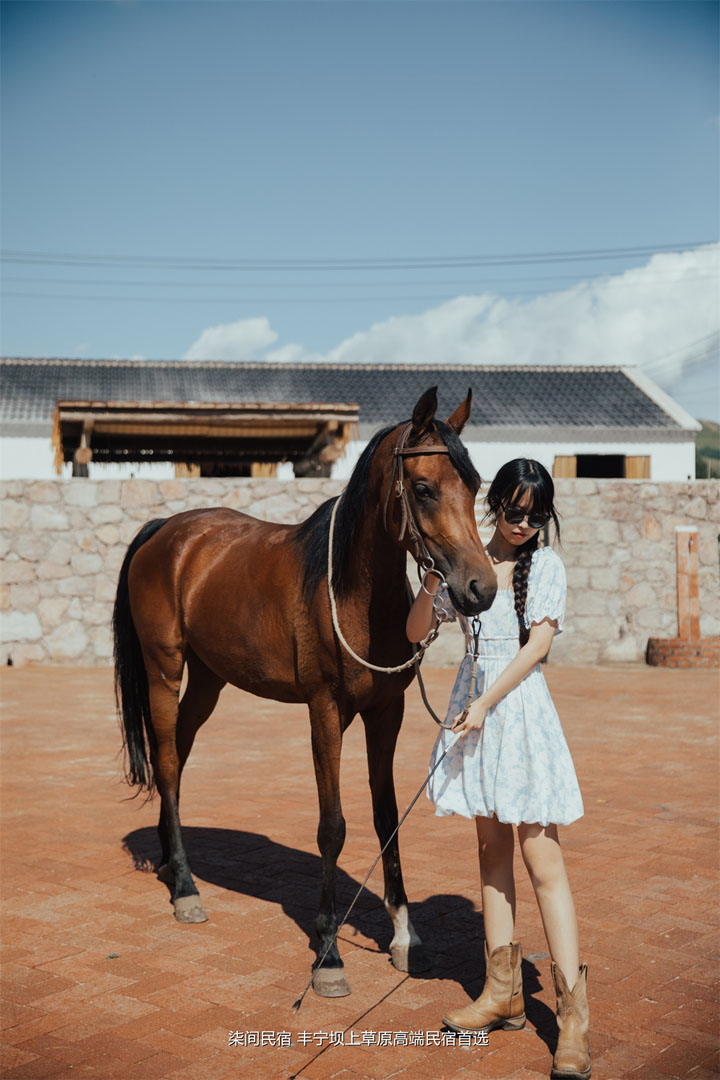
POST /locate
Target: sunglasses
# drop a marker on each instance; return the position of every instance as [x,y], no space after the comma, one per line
[515,514]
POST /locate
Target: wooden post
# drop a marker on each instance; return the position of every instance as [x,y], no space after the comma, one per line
[688,591]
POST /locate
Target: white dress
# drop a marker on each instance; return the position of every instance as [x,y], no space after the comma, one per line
[518,766]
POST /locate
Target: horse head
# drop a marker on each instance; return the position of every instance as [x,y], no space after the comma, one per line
[430,502]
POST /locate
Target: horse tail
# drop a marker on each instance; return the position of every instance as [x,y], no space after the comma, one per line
[131,683]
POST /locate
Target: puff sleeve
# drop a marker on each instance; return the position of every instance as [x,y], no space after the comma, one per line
[443,603]
[547,589]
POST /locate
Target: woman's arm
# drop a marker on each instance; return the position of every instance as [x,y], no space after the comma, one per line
[538,646]
[421,616]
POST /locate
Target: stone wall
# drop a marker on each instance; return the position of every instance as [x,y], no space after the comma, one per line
[62,543]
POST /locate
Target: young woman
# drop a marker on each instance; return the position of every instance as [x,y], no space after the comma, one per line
[508,762]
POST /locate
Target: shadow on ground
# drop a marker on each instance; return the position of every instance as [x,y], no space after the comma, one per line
[254,865]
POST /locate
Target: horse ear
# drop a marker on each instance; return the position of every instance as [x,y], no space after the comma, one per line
[460,417]
[424,413]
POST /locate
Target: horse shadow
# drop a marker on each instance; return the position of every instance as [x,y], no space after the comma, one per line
[252,864]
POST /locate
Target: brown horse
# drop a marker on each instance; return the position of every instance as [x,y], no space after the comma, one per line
[236,600]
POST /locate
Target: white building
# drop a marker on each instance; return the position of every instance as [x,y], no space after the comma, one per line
[153,419]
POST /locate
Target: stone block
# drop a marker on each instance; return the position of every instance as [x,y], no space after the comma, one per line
[605,579]
[696,508]
[13,514]
[113,559]
[641,595]
[651,529]
[105,589]
[172,489]
[75,610]
[97,614]
[102,642]
[6,540]
[52,611]
[75,586]
[109,492]
[606,532]
[86,541]
[68,642]
[86,563]
[20,626]
[50,518]
[81,492]
[108,534]
[104,515]
[4,597]
[30,546]
[624,650]
[14,571]
[60,552]
[24,596]
[43,491]
[137,493]
[46,570]
[23,654]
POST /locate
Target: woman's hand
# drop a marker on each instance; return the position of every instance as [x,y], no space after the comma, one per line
[474,719]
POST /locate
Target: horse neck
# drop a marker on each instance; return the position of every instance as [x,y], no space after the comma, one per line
[377,562]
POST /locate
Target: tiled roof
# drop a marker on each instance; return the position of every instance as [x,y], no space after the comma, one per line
[510,396]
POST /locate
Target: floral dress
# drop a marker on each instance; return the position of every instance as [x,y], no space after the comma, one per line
[518,766]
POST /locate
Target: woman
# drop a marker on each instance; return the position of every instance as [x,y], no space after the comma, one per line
[508,762]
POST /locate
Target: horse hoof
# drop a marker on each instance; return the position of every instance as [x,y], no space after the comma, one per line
[330,982]
[189,909]
[410,958]
[165,874]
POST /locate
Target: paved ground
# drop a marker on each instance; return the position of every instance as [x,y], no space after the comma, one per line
[99,981]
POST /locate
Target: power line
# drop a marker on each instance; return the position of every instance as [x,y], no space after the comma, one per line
[423,262]
[387,298]
[322,284]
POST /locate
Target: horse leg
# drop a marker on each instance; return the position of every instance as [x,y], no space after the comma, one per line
[382,726]
[164,677]
[329,979]
[200,698]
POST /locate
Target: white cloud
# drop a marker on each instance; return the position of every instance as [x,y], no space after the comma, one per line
[240,340]
[655,317]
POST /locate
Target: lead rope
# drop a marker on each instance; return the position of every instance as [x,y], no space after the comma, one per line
[420,649]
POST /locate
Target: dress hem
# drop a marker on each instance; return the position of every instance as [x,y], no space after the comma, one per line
[507,821]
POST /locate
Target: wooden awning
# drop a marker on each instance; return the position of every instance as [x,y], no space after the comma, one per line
[227,436]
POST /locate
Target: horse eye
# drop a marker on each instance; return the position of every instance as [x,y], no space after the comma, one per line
[423,491]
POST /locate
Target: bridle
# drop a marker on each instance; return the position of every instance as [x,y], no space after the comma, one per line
[421,554]
[408,524]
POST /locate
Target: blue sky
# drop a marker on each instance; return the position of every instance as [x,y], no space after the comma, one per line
[200,132]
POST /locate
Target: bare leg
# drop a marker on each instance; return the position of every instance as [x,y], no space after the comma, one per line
[543,858]
[495,848]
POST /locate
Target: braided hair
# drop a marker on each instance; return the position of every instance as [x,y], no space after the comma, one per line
[515,479]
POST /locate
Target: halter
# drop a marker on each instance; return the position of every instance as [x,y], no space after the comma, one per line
[407,520]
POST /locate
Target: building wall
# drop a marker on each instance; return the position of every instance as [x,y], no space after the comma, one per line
[32,457]
[62,544]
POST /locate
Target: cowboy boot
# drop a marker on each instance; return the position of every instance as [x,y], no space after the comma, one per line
[501,1002]
[572,1056]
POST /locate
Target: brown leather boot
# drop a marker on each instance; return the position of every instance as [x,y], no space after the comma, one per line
[572,1056]
[501,1002]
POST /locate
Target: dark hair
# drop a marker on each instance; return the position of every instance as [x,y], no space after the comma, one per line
[513,480]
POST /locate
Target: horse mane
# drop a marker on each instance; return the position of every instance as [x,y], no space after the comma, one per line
[313,534]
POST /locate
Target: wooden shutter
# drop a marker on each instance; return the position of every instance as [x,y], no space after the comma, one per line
[565,465]
[637,467]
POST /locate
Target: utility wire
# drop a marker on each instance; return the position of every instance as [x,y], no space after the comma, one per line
[312,265]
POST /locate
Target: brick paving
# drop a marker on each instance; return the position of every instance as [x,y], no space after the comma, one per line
[99,981]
